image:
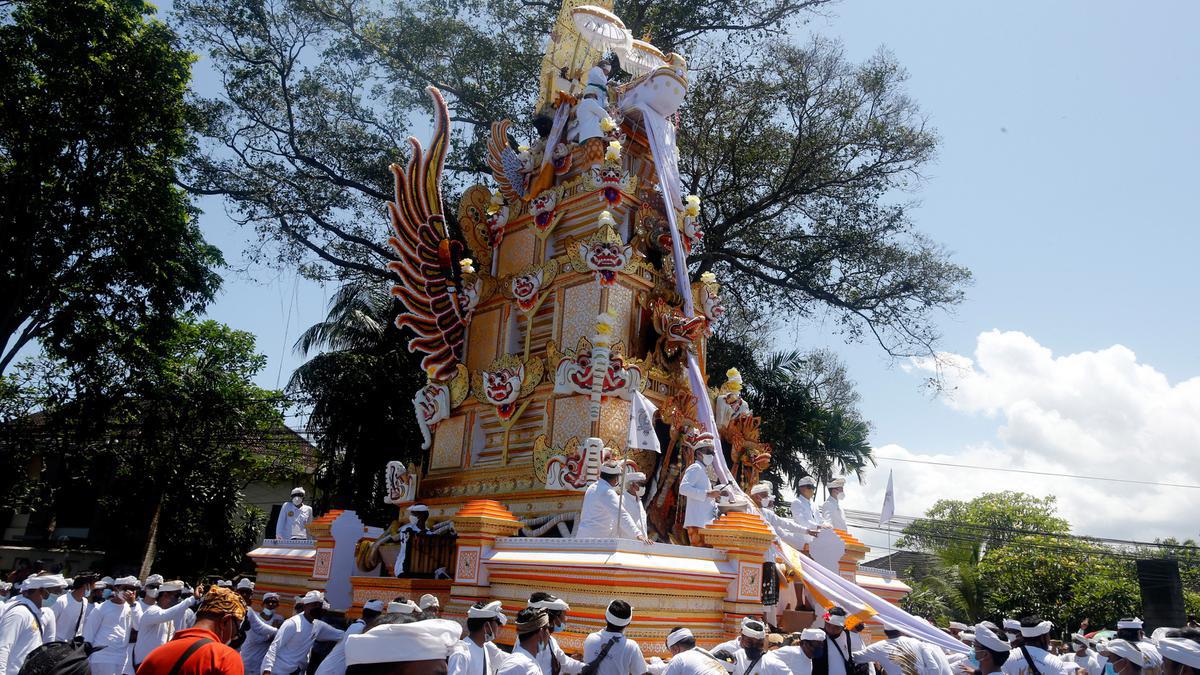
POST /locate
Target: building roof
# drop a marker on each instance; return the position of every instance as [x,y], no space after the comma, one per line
[913,565]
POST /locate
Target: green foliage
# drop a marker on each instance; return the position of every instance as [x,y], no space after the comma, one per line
[930,599]
[797,153]
[807,407]
[359,386]
[988,521]
[100,247]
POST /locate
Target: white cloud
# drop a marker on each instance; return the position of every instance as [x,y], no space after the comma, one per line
[1096,413]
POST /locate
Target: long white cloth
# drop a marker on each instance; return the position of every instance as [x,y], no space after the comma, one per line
[694,486]
[602,517]
[624,658]
[19,635]
[694,662]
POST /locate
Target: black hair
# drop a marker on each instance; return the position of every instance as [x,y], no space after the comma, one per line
[476,623]
[537,596]
[690,643]
[891,633]
[998,658]
[369,614]
[1129,634]
[1029,622]
[837,611]
[83,580]
[621,610]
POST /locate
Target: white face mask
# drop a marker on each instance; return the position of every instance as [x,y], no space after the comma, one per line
[707,459]
[639,491]
[268,612]
[412,520]
[49,601]
[151,593]
[297,500]
[768,501]
[840,496]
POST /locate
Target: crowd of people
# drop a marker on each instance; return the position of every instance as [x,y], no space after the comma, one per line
[125,626]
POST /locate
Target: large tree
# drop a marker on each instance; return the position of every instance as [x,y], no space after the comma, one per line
[801,156]
[97,241]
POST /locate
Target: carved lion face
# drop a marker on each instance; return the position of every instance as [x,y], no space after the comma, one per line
[502,386]
[525,288]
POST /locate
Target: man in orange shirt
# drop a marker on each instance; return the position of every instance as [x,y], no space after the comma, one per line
[202,649]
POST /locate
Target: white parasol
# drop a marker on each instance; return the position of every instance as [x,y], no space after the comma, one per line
[641,57]
[601,28]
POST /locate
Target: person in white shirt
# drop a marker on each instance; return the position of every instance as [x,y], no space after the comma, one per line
[840,643]
[696,487]
[1082,656]
[1180,650]
[1035,646]
[729,647]
[294,517]
[71,608]
[687,658]
[416,648]
[21,627]
[752,657]
[533,634]
[609,649]
[831,510]
[552,659]
[289,650]
[802,507]
[334,662]
[635,489]
[160,621]
[1126,658]
[1130,630]
[602,516]
[800,656]
[431,607]
[784,528]
[263,627]
[991,650]
[110,625]
[477,654]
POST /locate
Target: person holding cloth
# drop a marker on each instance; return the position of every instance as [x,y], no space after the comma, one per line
[697,488]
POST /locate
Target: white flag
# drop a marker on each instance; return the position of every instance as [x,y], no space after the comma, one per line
[889,503]
[641,423]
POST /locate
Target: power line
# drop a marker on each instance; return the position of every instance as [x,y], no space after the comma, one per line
[1053,474]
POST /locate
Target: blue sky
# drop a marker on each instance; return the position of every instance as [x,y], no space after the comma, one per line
[1064,181]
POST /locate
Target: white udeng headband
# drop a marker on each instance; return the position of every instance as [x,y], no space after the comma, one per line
[1124,624]
[675,637]
[836,620]
[1036,631]
[616,620]
[1126,651]
[1180,650]
[749,631]
[984,636]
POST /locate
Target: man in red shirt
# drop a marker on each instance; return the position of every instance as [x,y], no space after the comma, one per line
[202,649]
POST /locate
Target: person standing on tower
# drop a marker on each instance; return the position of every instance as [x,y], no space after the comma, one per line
[294,517]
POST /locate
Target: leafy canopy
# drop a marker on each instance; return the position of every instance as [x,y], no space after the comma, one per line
[96,239]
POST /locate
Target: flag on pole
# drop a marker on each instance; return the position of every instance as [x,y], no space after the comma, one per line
[641,423]
[889,504]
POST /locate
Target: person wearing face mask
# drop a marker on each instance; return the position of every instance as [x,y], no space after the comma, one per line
[109,626]
[71,608]
[803,514]
[553,660]
[991,651]
[100,591]
[23,629]
[160,621]
[289,651]
[602,515]
[1082,656]
[202,649]
[1130,630]
[1035,650]
[785,529]
[533,632]
[752,657]
[697,488]
[887,652]
[806,654]
[294,517]
[263,627]
[1124,657]
[609,652]
[635,489]
[147,597]
[476,654]
[831,510]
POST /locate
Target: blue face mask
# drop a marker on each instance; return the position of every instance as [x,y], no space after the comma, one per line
[1108,669]
[973,661]
[107,593]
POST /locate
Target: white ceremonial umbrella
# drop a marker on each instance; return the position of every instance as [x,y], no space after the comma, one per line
[641,58]
[601,28]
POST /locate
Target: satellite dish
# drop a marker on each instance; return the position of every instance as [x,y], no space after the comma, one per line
[641,57]
[601,28]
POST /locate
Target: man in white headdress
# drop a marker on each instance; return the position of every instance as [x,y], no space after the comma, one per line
[785,529]
[889,651]
[70,608]
[1035,647]
[532,627]
[831,510]
[294,517]
[290,649]
[799,657]
[603,516]
[840,643]
[161,620]
[476,653]
[418,518]
[263,627]
[109,626]
[957,628]
[1082,655]
[553,659]
[431,607]
[803,513]
[635,489]
[752,657]
[1180,649]
[687,658]
[992,651]
[1130,630]
[23,628]
[614,653]
[695,486]
[729,647]
[417,648]
[1125,657]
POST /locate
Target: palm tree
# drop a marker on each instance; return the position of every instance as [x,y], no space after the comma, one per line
[359,383]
